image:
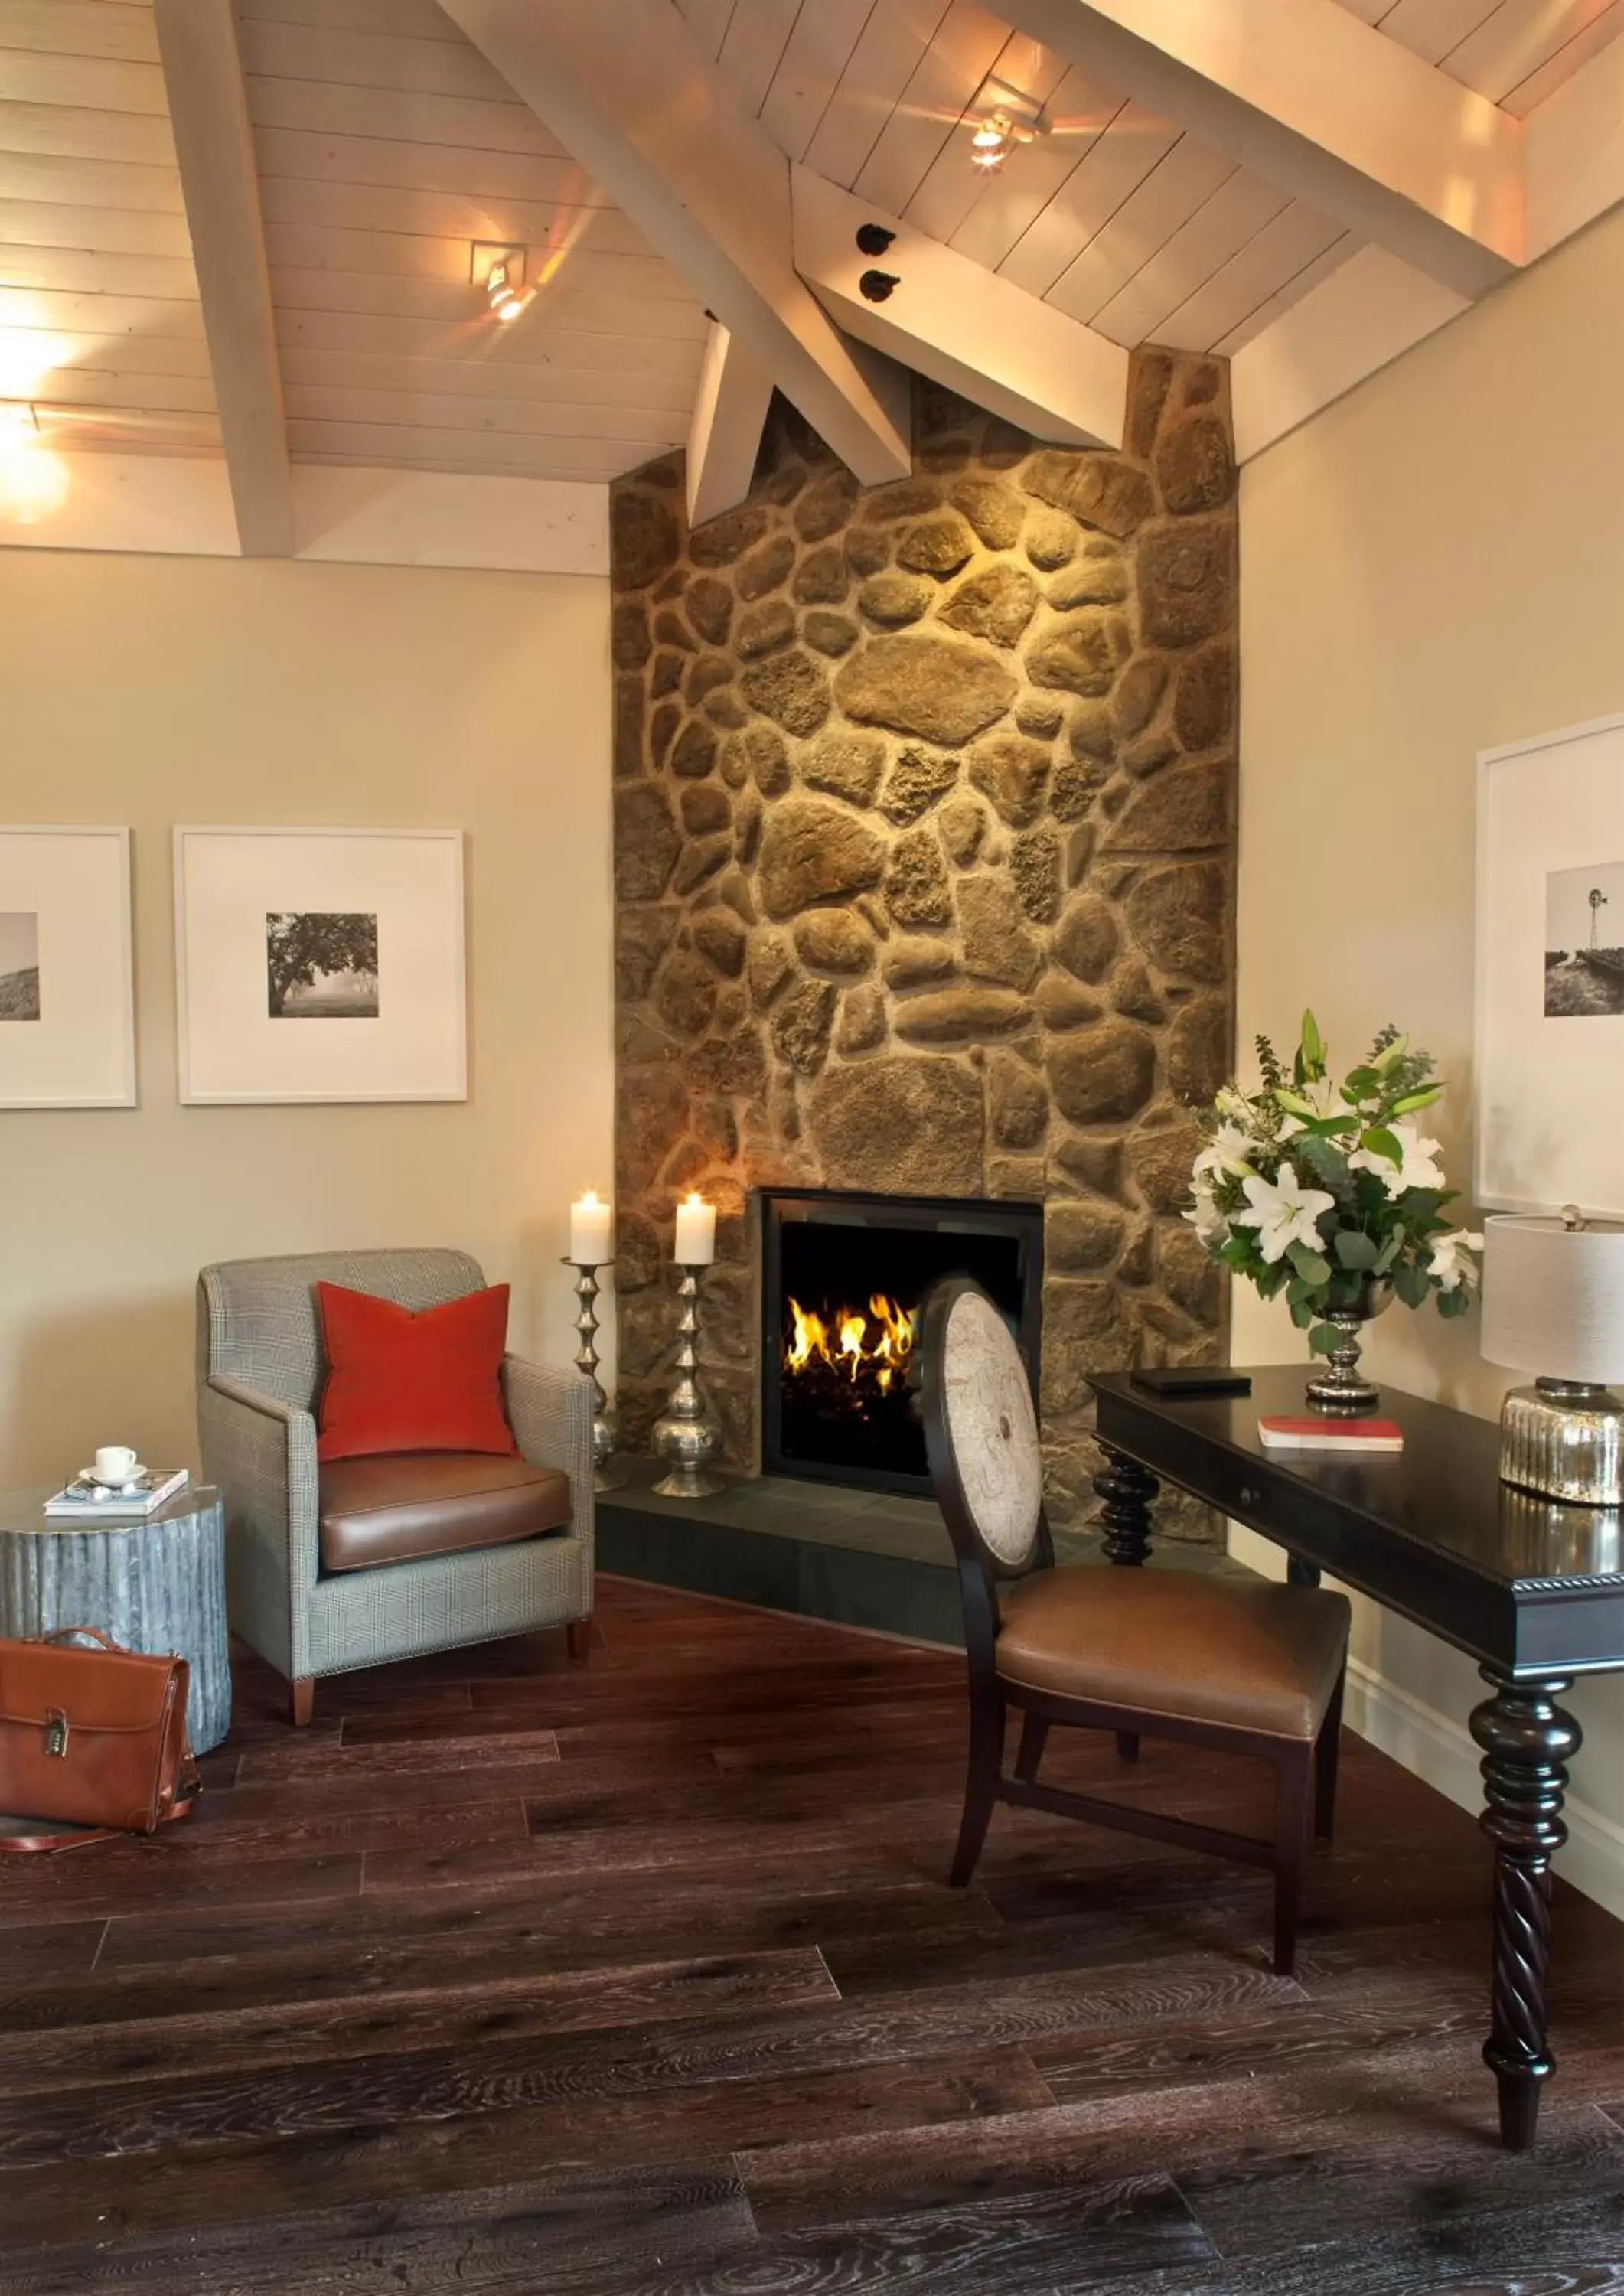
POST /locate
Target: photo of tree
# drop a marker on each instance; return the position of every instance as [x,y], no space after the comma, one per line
[322,964]
[19,965]
[1583,942]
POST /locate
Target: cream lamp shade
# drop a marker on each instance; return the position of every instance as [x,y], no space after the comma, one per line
[1554,1297]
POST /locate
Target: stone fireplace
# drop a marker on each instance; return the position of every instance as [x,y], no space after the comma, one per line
[924,858]
[844,1277]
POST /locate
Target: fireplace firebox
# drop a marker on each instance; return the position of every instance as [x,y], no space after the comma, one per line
[843,1279]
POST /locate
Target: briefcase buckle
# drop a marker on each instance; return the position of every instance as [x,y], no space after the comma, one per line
[56,1733]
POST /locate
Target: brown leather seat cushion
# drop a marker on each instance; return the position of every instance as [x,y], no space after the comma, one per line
[394,1506]
[1171,1643]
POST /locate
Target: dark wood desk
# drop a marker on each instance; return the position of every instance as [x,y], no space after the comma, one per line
[1532,1590]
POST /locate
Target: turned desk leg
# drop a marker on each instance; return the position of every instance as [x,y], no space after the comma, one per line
[1527,1739]
[1130,1491]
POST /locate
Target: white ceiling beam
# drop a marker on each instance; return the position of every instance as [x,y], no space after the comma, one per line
[1366,314]
[197,42]
[1326,108]
[725,433]
[1574,147]
[631,96]
[960,323]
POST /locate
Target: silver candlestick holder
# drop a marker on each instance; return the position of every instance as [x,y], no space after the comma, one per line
[688,1433]
[606,1477]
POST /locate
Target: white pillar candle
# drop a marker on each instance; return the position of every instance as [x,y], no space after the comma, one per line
[695,1232]
[589,1232]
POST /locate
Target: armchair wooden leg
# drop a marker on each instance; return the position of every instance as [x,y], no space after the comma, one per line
[1291,1851]
[301,1701]
[1326,1749]
[1034,1736]
[980,1786]
[579,1634]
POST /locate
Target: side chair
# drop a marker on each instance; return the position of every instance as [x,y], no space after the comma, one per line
[1246,1669]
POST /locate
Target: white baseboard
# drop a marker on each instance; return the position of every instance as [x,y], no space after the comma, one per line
[1439,1749]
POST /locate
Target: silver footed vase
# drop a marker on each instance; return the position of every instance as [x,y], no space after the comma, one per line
[1341,1388]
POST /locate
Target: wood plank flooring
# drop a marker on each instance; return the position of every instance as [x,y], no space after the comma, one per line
[640,1979]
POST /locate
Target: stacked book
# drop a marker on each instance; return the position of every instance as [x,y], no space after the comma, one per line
[85,1500]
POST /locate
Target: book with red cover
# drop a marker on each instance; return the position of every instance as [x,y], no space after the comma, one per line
[1331,1434]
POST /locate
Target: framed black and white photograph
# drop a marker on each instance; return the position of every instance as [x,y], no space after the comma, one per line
[67,1001]
[320,964]
[1550,972]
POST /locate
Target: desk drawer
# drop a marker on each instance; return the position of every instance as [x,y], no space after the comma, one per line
[1242,1488]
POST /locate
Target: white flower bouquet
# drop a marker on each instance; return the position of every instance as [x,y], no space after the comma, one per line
[1331,1194]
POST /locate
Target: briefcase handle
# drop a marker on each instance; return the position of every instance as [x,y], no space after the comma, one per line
[94,1633]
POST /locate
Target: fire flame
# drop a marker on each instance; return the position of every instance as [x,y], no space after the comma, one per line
[881,1338]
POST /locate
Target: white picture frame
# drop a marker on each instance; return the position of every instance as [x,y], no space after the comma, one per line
[1549,1066]
[320,964]
[67,968]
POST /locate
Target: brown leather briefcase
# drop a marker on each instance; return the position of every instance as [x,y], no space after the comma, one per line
[90,1739]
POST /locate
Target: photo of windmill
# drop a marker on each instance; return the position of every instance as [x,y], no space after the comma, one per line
[1584,943]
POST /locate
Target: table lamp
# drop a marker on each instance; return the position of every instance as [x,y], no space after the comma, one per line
[1554,1304]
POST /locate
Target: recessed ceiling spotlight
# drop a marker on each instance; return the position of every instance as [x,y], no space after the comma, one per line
[995,137]
[500,271]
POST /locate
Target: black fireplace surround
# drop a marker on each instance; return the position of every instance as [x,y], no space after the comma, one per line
[843,1279]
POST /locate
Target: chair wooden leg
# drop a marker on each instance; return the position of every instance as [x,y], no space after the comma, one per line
[1034,1736]
[1128,1745]
[980,1785]
[1291,1851]
[1327,1751]
[301,1701]
[579,1634]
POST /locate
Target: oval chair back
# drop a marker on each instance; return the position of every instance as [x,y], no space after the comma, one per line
[984,1456]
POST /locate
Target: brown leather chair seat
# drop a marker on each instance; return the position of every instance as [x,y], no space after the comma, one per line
[1196,1648]
[397,1507]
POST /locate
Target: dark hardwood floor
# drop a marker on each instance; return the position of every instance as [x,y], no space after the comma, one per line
[511,1975]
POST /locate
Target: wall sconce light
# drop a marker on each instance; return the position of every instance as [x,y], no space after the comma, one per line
[995,137]
[500,271]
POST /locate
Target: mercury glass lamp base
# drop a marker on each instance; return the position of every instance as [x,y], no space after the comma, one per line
[689,1483]
[1564,1439]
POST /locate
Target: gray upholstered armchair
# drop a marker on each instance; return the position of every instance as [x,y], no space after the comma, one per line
[321,1578]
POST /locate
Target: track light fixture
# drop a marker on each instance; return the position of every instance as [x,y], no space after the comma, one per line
[874,239]
[500,271]
[995,137]
[876,286]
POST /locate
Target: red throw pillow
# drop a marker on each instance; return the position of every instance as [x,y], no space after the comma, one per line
[397,1381]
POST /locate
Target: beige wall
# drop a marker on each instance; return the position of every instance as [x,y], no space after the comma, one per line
[151,691]
[1434,566]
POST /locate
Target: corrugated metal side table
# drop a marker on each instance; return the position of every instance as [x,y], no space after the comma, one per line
[157,1584]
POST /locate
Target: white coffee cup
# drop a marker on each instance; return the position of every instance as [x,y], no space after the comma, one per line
[115,1463]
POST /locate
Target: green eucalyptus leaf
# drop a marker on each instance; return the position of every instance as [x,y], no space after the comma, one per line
[1453,1303]
[1355,1248]
[1388,1252]
[1381,1142]
[1313,1266]
[1303,1312]
[1411,1285]
[1323,1338]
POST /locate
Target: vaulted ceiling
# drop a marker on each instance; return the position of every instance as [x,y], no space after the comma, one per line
[382,140]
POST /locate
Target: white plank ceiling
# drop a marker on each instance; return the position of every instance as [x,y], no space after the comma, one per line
[1513,51]
[386,145]
[99,316]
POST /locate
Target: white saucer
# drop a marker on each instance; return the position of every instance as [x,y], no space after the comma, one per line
[130,1482]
